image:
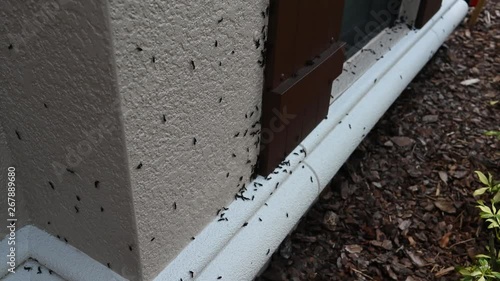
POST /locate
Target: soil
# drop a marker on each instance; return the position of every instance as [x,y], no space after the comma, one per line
[401,208]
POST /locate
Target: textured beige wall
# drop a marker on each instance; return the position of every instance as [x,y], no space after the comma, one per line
[174,169]
[97,90]
[58,91]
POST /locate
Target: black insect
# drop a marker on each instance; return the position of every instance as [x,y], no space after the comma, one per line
[354,73]
[48,222]
[222,219]
[102,209]
[10,47]
[257,108]
[340,121]
[219,21]
[227,175]
[245,224]
[257,43]
[78,198]
[45,105]
[237,134]
[58,237]
[216,43]
[253,197]
[287,215]
[193,65]
[268,251]
[194,141]
[65,240]
[51,185]
[277,184]
[251,114]
[50,271]
[232,52]
[28,268]
[39,270]
[76,209]
[96,184]
[175,206]
[18,135]
[153,59]
[311,178]
[375,81]
[241,178]
[220,63]
[234,155]
[246,116]
[139,166]
[400,76]
[69,170]
[364,128]
[192,238]
[191,273]
[130,248]
[109,265]
[260,219]
[225,209]
[220,277]
[303,151]
[350,126]
[152,239]
[218,211]
[139,49]
[266,204]
[164,118]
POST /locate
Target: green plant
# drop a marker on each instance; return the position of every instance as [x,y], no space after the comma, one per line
[481,271]
[493,133]
[486,267]
[491,186]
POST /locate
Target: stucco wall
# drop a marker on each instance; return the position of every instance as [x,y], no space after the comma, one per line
[58,102]
[177,85]
[5,163]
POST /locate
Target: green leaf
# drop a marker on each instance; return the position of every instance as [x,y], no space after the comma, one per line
[485,209]
[482,177]
[482,256]
[496,198]
[480,191]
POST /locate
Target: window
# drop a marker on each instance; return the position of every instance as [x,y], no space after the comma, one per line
[364,19]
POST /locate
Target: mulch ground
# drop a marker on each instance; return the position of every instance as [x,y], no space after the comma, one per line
[401,208]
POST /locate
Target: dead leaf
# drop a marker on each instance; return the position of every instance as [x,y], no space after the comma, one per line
[402,141]
[445,206]
[469,82]
[445,271]
[443,176]
[386,244]
[415,259]
[443,242]
[411,241]
[404,225]
[353,249]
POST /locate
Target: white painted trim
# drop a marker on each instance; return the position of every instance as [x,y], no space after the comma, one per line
[327,147]
[67,261]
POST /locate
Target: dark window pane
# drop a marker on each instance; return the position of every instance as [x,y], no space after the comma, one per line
[364,19]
